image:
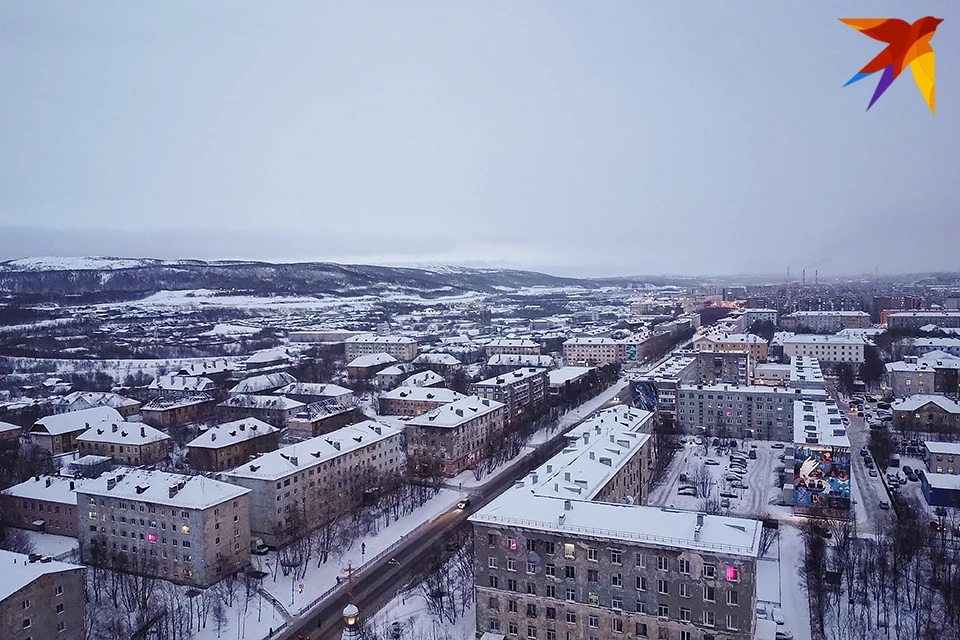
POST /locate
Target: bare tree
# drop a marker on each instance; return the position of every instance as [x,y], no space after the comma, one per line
[702,481]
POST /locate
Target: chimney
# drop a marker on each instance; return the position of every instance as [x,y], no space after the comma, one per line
[114,428]
[48,482]
[611,438]
[586,438]
[174,490]
[563,517]
[535,478]
[593,455]
[566,476]
[549,468]
[143,432]
[71,485]
[567,505]
[213,437]
[242,427]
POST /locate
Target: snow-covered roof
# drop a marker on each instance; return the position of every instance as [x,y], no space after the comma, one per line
[164,404]
[755,389]
[423,379]
[263,382]
[519,360]
[946,448]
[321,409]
[18,571]
[829,314]
[182,383]
[817,423]
[912,403]
[310,453]
[98,399]
[6,426]
[942,480]
[313,389]
[950,313]
[670,368]
[131,433]
[731,338]
[946,343]
[398,369]
[811,338]
[249,401]
[511,343]
[160,487]
[266,356]
[511,377]
[422,394]
[76,420]
[49,488]
[805,369]
[372,338]
[584,340]
[648,526]
[457,412]
[372,360]
[229,433]
[567,374]
[436,358]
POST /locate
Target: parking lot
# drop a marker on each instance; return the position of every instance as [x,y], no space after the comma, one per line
[742,489]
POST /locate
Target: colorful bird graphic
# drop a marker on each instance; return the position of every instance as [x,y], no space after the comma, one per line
[907,44]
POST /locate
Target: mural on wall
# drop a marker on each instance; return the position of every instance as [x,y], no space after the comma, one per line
[821,477]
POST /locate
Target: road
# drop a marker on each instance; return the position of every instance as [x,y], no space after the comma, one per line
[379,583]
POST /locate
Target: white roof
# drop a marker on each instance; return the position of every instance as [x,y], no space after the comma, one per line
[583,340]
[195,492]
[817,420]
[510,377]
[915,402]
[313,389]
[512,342]
[925,314]
[519,360]
[182,383]
[6,426]
[98,399]
[436,358]
[372,360]
[256,384]
[310,453]
[457,412]
[567,374]
[77,420]
[422,394]
[757,310]
[934,342]
[267,355]
[59,490]
[372,338]
[423,379]
[18,572]
[942,480]
[398,369]
[811,338]
[754,389]
[838,314]
[228,433]
[261,402]
[131,433]
[805,369]
[670,368]
[949,448]
[164,404]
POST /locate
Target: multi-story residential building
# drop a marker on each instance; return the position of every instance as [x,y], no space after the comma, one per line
[923,346]
[9,435]
[656,390]
[942,457]
[41,599]
[825,321]
[724,367]
[186,529]
[402,348]
[367,366]
[937,417]
[566,383]
[821,460]
[453,437]
[524,346]
[755,345]
[275,410]
[911,377]
[806,373]
[761,412]
[126,442]
[268,360]
[415,401]
[59,433]
[504,362]
[523,392]
[318,418]
[831,349]
[594,352]
[227,445]
[299,487]
[177,411]
[177,386]
[309,392]
[442,363]
[913,320]
[79,400]
[555,557]
[391,376]
[424,379]
[43,503]
[748,317]
[263,384]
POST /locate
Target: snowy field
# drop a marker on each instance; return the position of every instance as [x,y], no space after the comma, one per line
[409,610]
[118,369]
[52,545]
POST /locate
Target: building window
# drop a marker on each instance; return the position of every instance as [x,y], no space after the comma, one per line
[551,634]
[641,583]
[570,572]
[511,564]
[571,595]
[593,621]
[663,611]
[512,544]
[709,571]
[551,613]
[732,622]
[663,587]
[733,598]
[685,615]
[494,624]
[492,562]
[531,632]
[709,618]
[616,603]
[511,585]
[616,579]
[512,606]
[733,573]
[593,575]
[684,590]
[616,556]
[512,628]
[641,561]
[495,582]
[593,598]
[59,590]
[641,629]
[531,611]
[593,554]
[568,551]
[663,564]
[551,591]
[531,567]
[571,617]
[532,588]
[25,604]
[686,635]
[550,570]
[26,623]
[683,566]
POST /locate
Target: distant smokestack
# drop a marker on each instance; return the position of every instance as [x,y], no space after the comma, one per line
[803,278]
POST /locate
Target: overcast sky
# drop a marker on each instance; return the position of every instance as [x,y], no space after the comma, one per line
[580,138]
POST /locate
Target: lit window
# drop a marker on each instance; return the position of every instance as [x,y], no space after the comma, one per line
[151,537]
[733,573]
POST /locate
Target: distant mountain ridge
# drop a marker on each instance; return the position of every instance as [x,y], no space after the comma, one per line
[55,277]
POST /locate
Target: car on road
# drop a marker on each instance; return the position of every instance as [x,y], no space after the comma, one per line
[863,451]
[753,454]
[725,503]
[739,485]
[687,491]
[711,462]
[728,494]
[873,473]
[463,504]
[884,505]
[907,469]
[777,445]
[784,634]
[778,615]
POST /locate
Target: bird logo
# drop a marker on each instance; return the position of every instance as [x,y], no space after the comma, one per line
[907,44]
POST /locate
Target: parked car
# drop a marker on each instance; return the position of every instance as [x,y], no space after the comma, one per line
[778,615]
[884,505]
[873,473]
[907,469]
[711,462]
[753,454]
[784,634]
[725,503]
[687,491]
[863,451]
[739,485]
[912,477]
[728,494]
[777,445]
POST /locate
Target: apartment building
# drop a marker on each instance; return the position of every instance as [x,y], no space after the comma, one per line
[43,503]
[656,390]
[451,438]
[755,345]
[186,529]
[748,317]
[524,346]
[181,386]
[415,401]
[79,400]
[761,412]
[424,379]
[724,367]
[58,433]
[557,558]
[309,392]
[9,435]
[318,418]
[275,410]
[390,377]
[177,411]
[936,416]
[504,362]
[918,376]
[821,461]
[942,457]
[825,321]
[442,363]
[523,392]
[913,320]
[126,442]
[402,348]
[227,445]
[41,599]
[923,346]
[594,352]
[263,384]
[831,349]
[367,366]
[299,487]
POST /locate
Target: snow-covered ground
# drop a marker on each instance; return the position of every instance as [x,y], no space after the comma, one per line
[793,599]
[49,544]
[118,368]
[410,611]
[227,329]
